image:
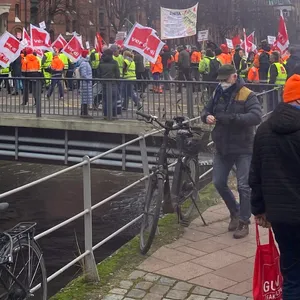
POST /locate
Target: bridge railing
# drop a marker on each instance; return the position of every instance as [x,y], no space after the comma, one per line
[90,269]
[112,99]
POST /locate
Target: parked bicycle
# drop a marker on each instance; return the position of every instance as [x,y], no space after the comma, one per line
[184,191]
[22,268]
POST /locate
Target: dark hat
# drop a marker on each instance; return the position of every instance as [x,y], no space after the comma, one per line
[225,71]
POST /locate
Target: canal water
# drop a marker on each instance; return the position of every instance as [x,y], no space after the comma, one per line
[54,201]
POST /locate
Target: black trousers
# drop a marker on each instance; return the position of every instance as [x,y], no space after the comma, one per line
[288,239]
[4,77]
[184,74]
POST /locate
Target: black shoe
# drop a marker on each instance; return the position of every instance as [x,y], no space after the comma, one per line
[234,224]
[84,112]
[242,230]
[23,104]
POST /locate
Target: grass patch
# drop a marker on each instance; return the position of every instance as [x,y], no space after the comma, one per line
[118,266]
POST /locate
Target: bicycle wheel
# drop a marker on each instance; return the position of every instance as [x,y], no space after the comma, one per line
[29,269]
[154,200]
[189,187]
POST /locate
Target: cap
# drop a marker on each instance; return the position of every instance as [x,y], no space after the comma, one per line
[85,53]
[114,48]
[291,90]
[225,71]
[28,50]
[238,47]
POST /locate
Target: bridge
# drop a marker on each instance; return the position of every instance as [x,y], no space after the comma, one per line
[171,271]
[53,131]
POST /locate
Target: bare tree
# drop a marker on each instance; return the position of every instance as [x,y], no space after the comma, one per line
[119,11]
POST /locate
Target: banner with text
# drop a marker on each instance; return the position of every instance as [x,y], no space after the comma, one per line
[178,23]
[10,47]
[144,41]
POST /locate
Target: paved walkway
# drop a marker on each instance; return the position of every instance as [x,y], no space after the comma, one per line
[206,263]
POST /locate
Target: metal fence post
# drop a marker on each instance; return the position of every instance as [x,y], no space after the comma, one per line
[189,99]
[109,99]
[38,96]
[264,102]
[144,156]
[90,267]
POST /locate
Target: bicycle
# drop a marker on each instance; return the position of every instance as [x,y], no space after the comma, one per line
[184,190]
[22,267]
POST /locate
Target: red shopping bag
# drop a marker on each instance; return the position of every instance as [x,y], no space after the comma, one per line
[267,279]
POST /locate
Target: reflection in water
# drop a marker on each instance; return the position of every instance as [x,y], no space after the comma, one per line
[62,197]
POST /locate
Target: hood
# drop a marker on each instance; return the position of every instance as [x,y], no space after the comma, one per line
[224,48]
[30,57]
[128,58]
[107,58]
[285,119]
[81,60]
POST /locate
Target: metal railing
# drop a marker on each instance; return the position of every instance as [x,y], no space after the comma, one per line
[111,99]
[90,269]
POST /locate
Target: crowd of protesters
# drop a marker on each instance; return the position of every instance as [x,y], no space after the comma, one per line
[182,64]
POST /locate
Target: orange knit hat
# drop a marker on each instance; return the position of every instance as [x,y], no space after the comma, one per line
[292,89]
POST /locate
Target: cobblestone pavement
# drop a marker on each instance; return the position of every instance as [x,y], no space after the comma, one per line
[206,263]
[150,286]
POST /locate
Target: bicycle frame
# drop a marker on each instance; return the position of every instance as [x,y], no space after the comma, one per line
[3,267]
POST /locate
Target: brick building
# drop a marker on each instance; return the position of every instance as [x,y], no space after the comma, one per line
[61,16]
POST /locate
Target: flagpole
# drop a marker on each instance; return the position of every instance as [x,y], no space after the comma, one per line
[26,24]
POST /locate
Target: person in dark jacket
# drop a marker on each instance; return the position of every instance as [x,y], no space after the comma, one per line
[167,60]
[139,70]
[292,61]
[237,57]
[235,111]
[15,68]
[274,179]
[109,69]
[184,63]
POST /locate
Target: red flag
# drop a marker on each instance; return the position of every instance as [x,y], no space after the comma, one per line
[250,46]
[236,41]
[59,43]
[144,41]
[40,38]
[282,41]
[10,48]
[99,43]
[26,37]
[4,60]
[73,49]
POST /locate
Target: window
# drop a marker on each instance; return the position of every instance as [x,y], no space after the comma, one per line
[101,19]
[17,11]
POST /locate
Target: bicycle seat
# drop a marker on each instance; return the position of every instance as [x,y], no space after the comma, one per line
[3,206]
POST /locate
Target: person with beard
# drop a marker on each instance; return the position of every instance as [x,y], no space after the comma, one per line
[235,111]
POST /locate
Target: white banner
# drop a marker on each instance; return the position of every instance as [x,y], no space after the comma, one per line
[229,44]
[178,23]
[202,35]
[10,49]
[271,39]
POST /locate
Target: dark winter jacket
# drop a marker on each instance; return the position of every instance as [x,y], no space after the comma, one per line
[184,60]
[237,111]
[15,67]
[291,63]
[139,63]
[109,68]
[166,57]
[275,169]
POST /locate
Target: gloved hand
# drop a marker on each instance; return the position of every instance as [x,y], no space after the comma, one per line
[225,118]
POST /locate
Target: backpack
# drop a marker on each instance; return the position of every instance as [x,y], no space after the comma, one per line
[264,61]
[214,66]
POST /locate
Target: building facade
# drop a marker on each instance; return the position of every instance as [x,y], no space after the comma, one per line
[61,16]
[4,12]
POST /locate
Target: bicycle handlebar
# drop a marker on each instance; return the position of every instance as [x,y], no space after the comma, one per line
[150,119]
